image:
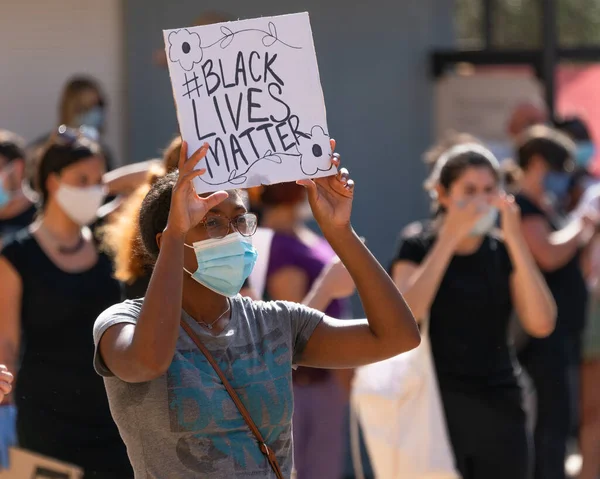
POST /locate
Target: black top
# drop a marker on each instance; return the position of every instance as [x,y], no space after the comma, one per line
[16,223]
[138,288]
[62,404]
[470,314]
[567,284]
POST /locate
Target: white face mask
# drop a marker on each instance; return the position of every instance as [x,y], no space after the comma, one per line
[81,204]
[486,223]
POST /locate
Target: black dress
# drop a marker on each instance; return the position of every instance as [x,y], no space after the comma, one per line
[475,365]
[553,362]
[62,408]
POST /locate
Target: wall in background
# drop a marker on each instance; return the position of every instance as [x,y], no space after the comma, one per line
[43,43]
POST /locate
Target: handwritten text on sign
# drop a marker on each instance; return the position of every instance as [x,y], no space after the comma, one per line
[251,89]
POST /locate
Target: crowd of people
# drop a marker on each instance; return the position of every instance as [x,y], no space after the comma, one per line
[147,331]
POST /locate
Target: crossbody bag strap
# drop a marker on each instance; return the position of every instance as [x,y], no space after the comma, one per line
[262,445]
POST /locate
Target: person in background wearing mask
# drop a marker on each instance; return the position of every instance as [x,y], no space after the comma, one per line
[546,158]
[82,105]
[54,284]
[576,129]
[584,196]
[467,278]
[16,210]
[297,258]
[582,178]
[449,140]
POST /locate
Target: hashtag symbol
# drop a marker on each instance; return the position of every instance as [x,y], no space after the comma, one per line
[195,88]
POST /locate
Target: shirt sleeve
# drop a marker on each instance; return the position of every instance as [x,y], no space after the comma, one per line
[303,322]
[411,248]
[126,312]
[528,208]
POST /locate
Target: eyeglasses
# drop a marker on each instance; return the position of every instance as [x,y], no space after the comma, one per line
[218,227]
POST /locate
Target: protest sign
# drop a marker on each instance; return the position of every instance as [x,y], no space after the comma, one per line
[251,90]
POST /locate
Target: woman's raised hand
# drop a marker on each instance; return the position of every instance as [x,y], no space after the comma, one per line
[187,208]
[331,197]
[510,214]
[461,216]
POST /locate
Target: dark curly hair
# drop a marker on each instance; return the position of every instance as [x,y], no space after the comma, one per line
[555,147]
[121,236]
[12,146]
[154,212]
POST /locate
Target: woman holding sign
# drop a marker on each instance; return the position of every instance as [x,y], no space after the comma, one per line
[466,279]
[195,373]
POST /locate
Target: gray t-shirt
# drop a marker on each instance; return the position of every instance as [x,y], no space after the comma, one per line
[184,424]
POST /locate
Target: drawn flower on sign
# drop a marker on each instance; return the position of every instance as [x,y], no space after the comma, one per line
[185,48]
[315,152]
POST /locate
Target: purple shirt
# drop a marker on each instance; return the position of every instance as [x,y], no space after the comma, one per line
[287,250]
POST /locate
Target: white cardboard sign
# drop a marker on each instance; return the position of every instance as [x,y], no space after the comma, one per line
[251,89]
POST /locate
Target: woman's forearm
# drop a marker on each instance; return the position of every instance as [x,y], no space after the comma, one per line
[424,283]
[390,319]
[127,178]
[534,303]
[562,245]
[157,328]
[317,298]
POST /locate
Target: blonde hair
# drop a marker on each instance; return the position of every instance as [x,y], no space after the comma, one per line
[121,236]
[70,103]
[171,154]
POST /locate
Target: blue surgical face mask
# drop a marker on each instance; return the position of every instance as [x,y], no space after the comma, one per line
[486,223]
[5,193]
[4,196]
[224,264]
[585,153]
[557,183]
[94,118]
